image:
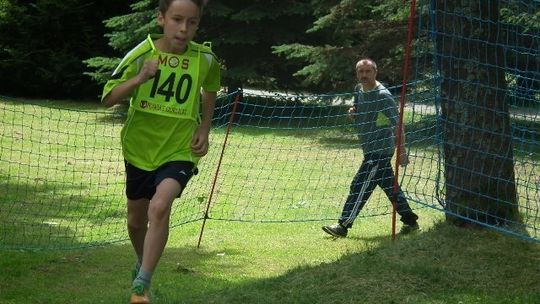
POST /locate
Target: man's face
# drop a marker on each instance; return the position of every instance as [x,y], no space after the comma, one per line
[366,73]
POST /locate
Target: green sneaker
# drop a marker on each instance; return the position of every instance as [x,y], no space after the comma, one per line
[335,230]
[406,229]
[139,295]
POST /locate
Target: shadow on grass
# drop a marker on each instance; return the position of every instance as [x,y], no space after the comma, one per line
[39,214]
[101,275]
[44,215]
[443,265]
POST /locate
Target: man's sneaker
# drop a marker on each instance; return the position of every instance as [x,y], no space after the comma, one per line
[406,229]
[139,295]
[335,230]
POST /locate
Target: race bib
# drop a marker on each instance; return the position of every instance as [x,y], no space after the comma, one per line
[173,91]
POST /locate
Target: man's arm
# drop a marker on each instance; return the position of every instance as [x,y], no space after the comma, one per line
[403,156]
[391,111]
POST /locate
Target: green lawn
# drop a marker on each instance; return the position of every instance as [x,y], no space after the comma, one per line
[61,173]
[61,179]
[290,263]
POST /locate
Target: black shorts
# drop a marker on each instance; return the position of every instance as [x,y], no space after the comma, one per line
[143,184]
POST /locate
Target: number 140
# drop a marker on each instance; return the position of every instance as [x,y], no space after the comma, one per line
[168,89]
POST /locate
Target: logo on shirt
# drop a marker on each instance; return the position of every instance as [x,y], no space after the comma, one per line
[173,61]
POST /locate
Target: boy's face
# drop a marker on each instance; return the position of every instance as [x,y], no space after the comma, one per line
[180,23]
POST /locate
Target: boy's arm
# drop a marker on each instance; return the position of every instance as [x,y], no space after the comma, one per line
[121,92]
[200,143]
[208,106]
[125,89]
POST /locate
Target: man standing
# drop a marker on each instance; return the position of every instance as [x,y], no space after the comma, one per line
[376,114]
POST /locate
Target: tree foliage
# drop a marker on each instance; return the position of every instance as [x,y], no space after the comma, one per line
[300,45]
[43,43]
[303,45]
[308,45]
[125,31]
[242,33]
[348,30]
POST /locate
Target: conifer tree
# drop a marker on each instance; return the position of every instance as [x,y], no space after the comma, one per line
[43,44]
[347,30]
[242,33]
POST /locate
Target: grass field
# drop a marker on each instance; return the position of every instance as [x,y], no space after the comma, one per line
[62,175]
[290,263]
[59,194]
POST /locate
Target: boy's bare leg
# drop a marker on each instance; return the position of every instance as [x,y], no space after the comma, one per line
[159,212]
[137,223]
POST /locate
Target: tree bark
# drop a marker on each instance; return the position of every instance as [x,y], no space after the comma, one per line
[477,134]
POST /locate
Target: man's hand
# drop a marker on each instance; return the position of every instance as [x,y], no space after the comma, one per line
[403,157]
[351,112]
[199,142]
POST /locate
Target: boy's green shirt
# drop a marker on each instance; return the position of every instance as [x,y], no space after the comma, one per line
[164,111]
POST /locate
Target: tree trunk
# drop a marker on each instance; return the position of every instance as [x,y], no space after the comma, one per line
[477,134]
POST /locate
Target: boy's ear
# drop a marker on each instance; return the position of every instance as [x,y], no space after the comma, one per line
[160,19]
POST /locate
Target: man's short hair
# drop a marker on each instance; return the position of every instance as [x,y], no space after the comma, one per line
[368,61]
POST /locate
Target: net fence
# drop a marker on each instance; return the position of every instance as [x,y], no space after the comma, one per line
[476,75]
[472,130]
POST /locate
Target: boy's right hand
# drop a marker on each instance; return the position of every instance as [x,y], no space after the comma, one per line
[148,70]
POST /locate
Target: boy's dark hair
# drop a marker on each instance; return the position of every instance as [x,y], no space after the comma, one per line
[164,4]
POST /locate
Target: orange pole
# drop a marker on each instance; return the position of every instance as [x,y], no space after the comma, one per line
[229,128]
[399,139]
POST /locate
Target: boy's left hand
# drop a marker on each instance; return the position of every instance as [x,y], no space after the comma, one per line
[199,142]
